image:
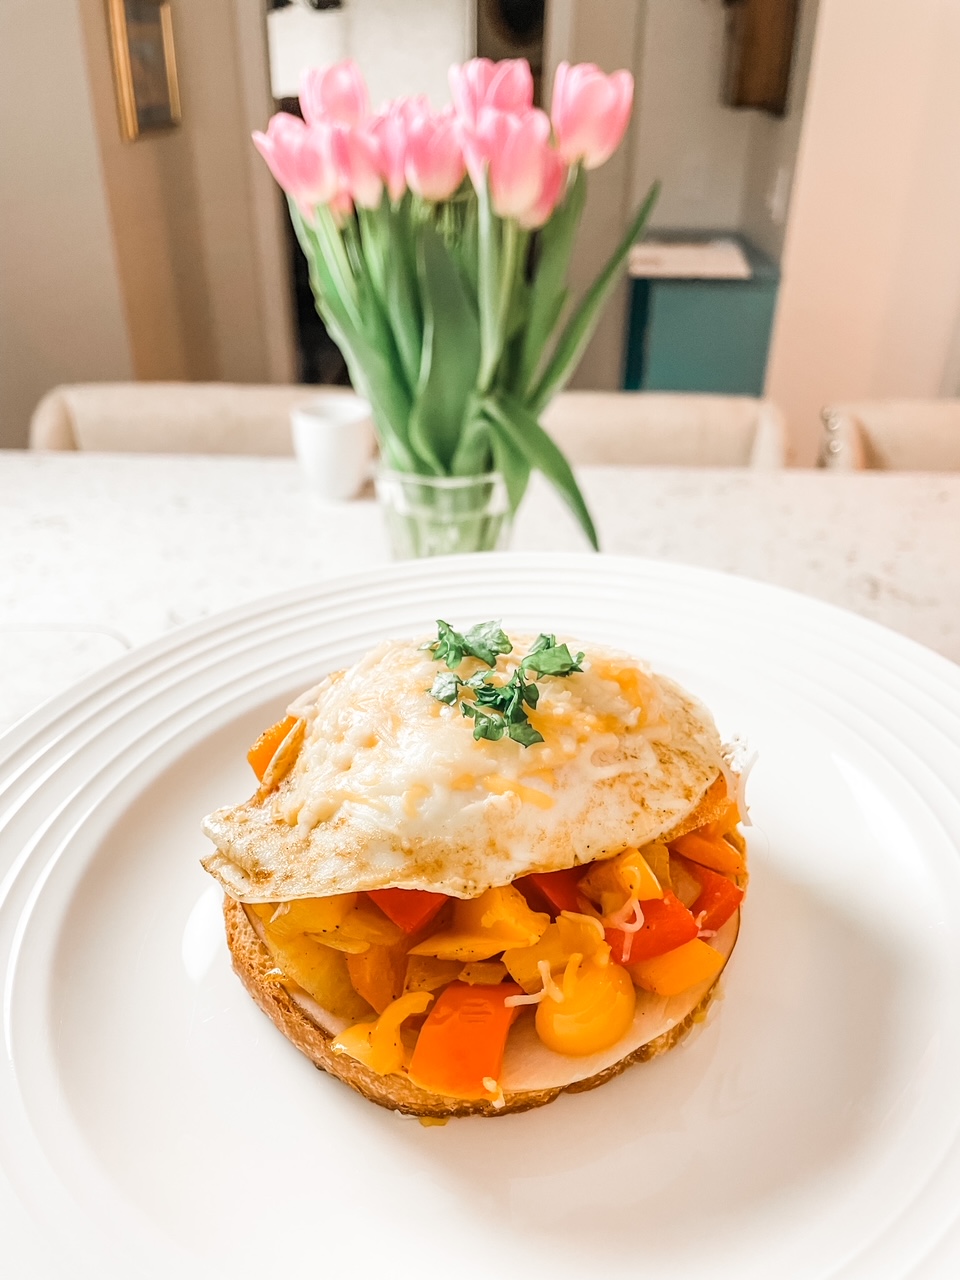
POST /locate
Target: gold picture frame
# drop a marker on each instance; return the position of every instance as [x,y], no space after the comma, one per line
[144,66]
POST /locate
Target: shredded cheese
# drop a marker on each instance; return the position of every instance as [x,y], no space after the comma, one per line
[629,919]
[492,1087]
[514,1002]
[550,988]
[411,800]
[742,790]
[502,786]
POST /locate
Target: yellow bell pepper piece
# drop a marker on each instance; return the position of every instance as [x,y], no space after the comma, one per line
[319,970]
[572,933]
[483,927]
[504,910]
[345,922]
[427,973]
[483,973]
[367,923]
[378,1044]
[612,883]
[305,915]
[635,873]
[675,971]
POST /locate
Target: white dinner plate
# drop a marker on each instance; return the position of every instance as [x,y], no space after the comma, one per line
[153,1122]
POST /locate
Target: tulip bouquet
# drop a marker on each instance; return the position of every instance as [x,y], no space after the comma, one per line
[438,244]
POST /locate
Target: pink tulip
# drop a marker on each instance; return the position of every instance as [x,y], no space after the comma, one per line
[357,156]
[337,94]
[514,152]
[434,159]
[479,83]
[301,159]
[391,128]
[341,206]
[590,111]
[390,132]
[553,181]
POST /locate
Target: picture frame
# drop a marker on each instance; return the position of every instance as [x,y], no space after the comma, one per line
[145,67]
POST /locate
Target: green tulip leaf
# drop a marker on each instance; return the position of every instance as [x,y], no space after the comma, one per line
[517,429]
[579,329]
[450,357]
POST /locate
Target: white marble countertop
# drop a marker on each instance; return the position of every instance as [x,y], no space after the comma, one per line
[99,553]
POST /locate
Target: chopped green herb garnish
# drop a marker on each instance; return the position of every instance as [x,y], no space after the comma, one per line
[547,658]
[484,641]
[497,710]
[446,687]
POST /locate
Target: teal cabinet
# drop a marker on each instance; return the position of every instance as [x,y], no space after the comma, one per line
[702,335]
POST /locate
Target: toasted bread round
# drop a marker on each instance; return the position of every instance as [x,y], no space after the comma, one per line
[257,970]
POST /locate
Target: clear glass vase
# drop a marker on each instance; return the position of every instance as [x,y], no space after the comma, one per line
[443,515]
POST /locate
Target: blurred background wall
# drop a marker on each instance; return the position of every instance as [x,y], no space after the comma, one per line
[61,302]
[163,259]
[169,258]
[870,294]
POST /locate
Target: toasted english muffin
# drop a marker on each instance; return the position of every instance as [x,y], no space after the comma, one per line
[306,1026]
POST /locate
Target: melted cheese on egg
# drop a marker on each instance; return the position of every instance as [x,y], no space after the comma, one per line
[390,788]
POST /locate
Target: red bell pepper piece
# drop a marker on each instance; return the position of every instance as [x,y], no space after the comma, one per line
[411,909]
[557,890]
[666,924]
[461,1044]
[719,897]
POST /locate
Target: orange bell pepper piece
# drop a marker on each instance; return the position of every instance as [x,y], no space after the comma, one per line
[459,1052]
[724,822]
[411,909]
[265,747]
[377,974]
[710,851]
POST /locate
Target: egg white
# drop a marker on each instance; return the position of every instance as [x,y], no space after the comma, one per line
[390,788]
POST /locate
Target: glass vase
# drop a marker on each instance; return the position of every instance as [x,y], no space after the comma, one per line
[443,515]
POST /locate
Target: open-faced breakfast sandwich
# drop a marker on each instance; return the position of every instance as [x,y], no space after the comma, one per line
[481,870]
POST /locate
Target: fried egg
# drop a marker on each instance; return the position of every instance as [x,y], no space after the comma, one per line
[383,785]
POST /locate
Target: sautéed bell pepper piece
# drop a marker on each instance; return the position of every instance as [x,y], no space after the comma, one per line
[411,909]
[427,973]
[666,924]
[557,890]
[379,1045]
[718,898]
[377,974]
[611,883]
[483,927]
[308,915]
[669,974]
[265,747]
[725,821]
[710,851]
[459,1051]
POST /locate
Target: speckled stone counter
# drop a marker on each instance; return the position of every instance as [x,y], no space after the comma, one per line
[99,553]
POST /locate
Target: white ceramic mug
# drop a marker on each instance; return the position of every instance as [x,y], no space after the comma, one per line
[333,440]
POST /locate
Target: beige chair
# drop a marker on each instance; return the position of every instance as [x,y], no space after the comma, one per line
[644,428]
[891,435]
[171,417]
